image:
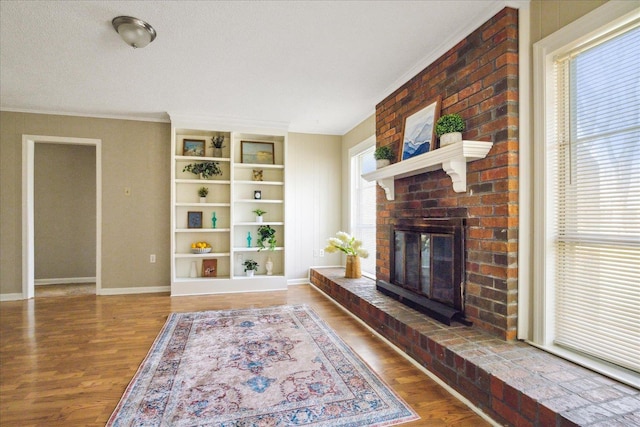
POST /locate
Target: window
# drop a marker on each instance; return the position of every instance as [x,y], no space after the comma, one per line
[588,259]
[363,203]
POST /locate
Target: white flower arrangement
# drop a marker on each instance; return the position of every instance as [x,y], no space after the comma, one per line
[346,243]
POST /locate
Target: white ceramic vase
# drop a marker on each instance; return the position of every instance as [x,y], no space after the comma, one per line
[382,163]
[450,138]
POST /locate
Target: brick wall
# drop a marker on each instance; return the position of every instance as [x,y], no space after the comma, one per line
[478,78]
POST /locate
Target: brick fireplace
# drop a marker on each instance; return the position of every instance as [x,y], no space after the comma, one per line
[478,78]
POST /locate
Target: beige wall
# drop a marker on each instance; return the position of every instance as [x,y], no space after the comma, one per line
[134,154]
[314,187]
[65,211]
[548,16]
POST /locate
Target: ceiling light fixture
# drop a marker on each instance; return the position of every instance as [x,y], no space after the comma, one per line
[135,32]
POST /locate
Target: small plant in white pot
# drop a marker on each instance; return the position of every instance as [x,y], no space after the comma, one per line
[202,192]
[259,213]
[449,128]
[383,156]
[250,267]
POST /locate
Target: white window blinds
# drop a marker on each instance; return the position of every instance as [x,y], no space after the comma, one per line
[594,170]
[363,205]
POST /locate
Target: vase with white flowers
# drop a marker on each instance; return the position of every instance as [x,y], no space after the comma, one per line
[352,247]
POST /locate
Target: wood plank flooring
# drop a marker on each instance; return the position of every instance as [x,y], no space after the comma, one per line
[65,361]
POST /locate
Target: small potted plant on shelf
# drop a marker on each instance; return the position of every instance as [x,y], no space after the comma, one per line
[383,155]
[266,234]
[217,144]
[250,267]
[259,213]
[449,128]
[202,192]
[204,170]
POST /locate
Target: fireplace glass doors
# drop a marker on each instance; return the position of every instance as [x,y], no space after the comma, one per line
[427,266]
[424,264]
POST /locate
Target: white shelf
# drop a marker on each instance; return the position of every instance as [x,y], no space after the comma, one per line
[258,201]
[259,223]
[202,230]
[210,254]
[260,182]
[255,249]
[257,166]
[202,181]
[203,159]
[196,204]
[452,159]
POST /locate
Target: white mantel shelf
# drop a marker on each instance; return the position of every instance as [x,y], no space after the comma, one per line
[452,159]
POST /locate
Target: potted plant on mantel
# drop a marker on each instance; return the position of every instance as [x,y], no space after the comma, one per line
[202,192]
[449,128]
[383,155]
[250,267]
[259,213]
[204,170]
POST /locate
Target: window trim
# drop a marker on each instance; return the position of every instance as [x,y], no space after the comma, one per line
[354,151]
[606,18]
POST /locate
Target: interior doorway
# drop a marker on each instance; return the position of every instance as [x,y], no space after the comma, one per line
[28,209]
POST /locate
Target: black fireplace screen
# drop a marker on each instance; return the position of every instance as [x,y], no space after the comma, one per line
[424,264]
[428,262]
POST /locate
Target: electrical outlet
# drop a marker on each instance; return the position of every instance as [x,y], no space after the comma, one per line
[239,258]
[152,258]
[321,253]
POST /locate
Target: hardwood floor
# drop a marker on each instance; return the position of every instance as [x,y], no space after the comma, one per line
[67,360]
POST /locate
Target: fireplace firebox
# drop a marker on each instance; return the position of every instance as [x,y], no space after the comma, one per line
[428,266]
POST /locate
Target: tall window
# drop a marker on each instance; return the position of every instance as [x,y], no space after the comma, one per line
[591,254]
[363,206]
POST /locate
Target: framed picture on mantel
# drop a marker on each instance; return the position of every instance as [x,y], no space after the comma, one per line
[418,133]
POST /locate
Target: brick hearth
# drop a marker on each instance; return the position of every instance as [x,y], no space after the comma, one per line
[512,382]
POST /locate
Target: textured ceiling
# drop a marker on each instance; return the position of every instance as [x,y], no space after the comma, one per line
[313,66]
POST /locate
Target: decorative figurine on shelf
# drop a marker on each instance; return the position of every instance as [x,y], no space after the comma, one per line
[257,174]
[249,239]
[269,266]
[213,220]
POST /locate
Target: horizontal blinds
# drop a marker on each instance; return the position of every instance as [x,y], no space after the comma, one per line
[594,162]
[364,207]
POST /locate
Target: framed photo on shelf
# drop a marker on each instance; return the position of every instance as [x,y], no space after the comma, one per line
[194,219]
[257,152]
[193,147]
[210,267]
[418,133]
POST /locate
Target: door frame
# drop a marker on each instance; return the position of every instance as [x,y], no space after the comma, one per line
[28,227]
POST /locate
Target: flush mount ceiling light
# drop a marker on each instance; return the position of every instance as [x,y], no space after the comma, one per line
[135,32]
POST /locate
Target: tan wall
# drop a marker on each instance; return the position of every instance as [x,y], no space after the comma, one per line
[314,187]
[134,154]
[65,211]
[548,16]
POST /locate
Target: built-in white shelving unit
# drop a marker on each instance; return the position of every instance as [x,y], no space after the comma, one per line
[232,198]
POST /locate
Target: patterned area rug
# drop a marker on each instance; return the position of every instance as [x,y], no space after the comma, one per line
[278,366]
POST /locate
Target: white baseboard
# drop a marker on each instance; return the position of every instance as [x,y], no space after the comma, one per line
[59,281]
[295,282]
[11,297]
[129,291]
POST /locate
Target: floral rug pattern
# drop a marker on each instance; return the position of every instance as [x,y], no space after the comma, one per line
[278,366]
